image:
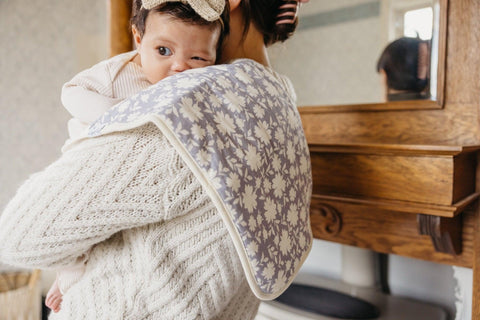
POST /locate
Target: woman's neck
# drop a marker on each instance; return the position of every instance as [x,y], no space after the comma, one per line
[254,48]
[251,46]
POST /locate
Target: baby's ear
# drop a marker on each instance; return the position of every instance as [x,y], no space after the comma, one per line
[136,37]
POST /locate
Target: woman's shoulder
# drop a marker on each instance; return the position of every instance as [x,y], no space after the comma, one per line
[266,72]
[247,70]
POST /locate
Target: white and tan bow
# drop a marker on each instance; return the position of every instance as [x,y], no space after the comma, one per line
[209,10]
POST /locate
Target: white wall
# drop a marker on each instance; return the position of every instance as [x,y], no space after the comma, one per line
[331,62]
[43,44]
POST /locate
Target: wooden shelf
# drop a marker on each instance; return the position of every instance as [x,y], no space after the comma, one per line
[447,211]
[394,198]
[440,179]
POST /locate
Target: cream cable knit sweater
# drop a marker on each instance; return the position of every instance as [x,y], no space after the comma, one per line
[173,259]
[87,96]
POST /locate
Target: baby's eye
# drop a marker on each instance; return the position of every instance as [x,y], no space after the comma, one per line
[164,51]
[199,58]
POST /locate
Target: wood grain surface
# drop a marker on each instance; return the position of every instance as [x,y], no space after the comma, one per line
[388,231]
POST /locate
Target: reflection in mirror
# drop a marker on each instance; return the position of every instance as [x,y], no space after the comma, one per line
[334,57]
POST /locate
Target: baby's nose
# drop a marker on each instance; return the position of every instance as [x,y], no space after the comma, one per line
[180,65]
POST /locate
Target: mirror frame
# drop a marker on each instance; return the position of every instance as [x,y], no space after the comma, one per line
[407,104]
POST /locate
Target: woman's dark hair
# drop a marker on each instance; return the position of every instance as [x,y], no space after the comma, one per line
[263,14]
[400,61]
[182,12]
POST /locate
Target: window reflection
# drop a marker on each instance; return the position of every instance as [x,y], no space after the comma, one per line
[418,23]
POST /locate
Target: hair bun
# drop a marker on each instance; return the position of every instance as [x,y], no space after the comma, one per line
[286,20]
[275,19]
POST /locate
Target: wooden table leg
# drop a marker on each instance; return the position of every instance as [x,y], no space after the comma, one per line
[476,266]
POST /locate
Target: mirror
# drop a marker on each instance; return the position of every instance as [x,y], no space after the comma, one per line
[333,57]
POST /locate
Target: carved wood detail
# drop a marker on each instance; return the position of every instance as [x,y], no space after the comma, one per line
[325,219]
[446,233]
[386,230]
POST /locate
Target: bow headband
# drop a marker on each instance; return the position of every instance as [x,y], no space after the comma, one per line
[209,10]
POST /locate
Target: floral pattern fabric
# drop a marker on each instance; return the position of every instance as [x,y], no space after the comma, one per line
[238,129]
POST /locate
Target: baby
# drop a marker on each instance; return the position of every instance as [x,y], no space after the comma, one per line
[170,37]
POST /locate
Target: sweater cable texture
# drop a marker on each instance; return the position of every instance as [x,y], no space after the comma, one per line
[158,247]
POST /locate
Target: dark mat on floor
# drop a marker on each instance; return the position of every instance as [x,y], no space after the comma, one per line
[328,303]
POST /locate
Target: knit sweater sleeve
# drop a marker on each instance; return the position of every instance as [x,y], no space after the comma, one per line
[89,94]
[91,192]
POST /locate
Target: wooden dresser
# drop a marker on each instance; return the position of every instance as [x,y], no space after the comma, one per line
[405,180]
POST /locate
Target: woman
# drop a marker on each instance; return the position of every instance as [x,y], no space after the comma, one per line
[190,198]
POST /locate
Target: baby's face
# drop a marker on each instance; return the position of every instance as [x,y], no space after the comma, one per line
[170,46]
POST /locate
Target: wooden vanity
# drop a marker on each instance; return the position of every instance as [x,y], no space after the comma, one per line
[404,179]
[409,200]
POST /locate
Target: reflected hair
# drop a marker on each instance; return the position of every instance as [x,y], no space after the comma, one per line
[405,64]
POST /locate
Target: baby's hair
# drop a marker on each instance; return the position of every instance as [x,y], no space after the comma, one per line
[266,16]
[182,12]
